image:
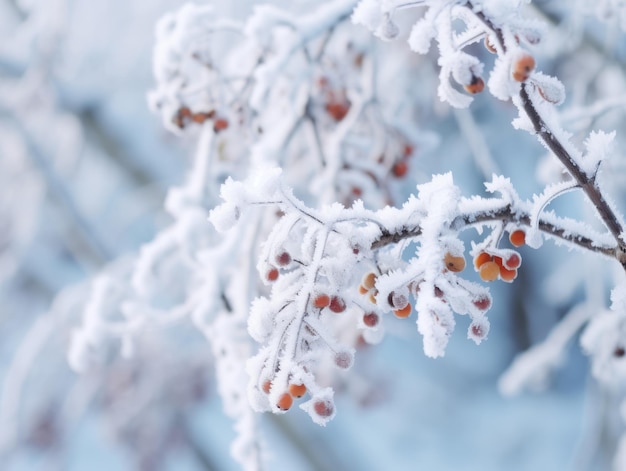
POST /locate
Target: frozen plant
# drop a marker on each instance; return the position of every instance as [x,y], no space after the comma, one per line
[318,209]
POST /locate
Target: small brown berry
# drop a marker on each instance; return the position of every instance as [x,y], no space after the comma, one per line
[400,169]
[370,319]
[272,274]
[477,85]
[283,259]
[323,408]
[453,263]
[220,124]
[482,303]
[369,280]
[343,360]
[337,110]
[522,67]
[337,304]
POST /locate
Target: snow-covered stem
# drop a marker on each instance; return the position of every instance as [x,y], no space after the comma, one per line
[586,183]
[506,214]
[548,137]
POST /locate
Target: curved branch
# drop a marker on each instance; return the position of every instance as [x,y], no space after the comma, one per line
[547,136]
[506,214]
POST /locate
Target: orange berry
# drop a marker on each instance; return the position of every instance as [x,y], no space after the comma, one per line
[297,390]
[220,124]
[522,67]
[321,301]
[482,258]
[477,85]
[369,280]
[507,275]
[400,169]
[517,238]
[272,274]
[363,289]
[498,260]
[404,312]
[337,304]
[284,401]
[454,264]
[267,385]
[514,261]
[489,271]
[372,298]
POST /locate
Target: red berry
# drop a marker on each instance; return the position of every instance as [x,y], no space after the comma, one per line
[514,261]
[343,360]
[482,303]
[337,110]
[477,330]
[272,274]
[267,385]
[370,319]
[220,124]
[321,301]
[407,151]
[283,259]
[323,408]
[337,304]
[400,169]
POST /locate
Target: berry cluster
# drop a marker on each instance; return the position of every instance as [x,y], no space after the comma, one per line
[501,263]
[184,116]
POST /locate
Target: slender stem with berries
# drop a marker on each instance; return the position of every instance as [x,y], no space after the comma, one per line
[587,183]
